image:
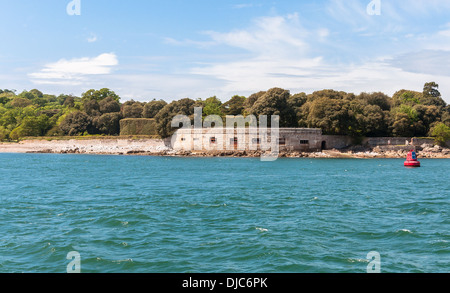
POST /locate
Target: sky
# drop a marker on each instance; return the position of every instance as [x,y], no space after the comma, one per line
[173,49]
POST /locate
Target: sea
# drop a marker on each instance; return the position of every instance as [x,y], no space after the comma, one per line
[142,214]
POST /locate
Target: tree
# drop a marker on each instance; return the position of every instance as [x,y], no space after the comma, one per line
[92,108]
[152,108]
[40,102]
[402,125]
[6,97]
[9,119]
[296,102]
[37,93]
[431,95]
[165,116]
[331,115]
[427,116]
[27,95]
[4,133]
[373,121]
[50,98]
[31,126]
[132,109]
[441,133]
[212,106]
[406,97]
[275,102]
[19,102]
[234,107]
[99,95]
[108,123]
[250,101]
[446,116]
[6,91]
[76,123]
[69,102]
[109,105]
[332,95]
[379,99]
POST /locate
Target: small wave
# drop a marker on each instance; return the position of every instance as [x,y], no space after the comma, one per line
[353,260]
[440,243]
[262,229]
[404,231]
[123,260]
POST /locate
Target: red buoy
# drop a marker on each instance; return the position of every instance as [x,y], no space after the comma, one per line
[411,160]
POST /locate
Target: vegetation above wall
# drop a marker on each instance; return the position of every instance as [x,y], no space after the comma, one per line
[406,114]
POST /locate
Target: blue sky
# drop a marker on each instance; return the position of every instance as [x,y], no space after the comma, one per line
[195,48]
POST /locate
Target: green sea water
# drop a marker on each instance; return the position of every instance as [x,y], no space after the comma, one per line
[132,214]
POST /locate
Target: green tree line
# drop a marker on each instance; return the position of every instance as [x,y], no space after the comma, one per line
[407,113]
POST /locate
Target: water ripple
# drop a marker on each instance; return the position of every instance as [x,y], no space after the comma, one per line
[142,214]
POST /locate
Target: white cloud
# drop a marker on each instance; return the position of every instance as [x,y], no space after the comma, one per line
[268,35]
[74,71]
[282,53]
[351,12]
[349,51]
[188,42]
[243,5]
[436,62]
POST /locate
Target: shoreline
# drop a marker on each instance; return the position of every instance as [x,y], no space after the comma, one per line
[159,147]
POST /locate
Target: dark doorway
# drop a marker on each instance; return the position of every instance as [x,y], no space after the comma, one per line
[324,145]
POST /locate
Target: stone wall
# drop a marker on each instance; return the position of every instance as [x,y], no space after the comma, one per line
[336,142]
[341,141]
[300,139]
[381,141]
[212,139]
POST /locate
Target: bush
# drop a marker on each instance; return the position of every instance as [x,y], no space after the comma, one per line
[55,131]
[4,133]
[109,105]
[165,116]
[17,133]
[441,133]
[152,108]
[140,126]
[132,109]
[76,123]
[19,102]
[108,123]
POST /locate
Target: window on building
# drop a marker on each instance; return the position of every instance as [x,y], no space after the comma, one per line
[255,141]
[304,141]
[212,140]
[183,139]
[282,141]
